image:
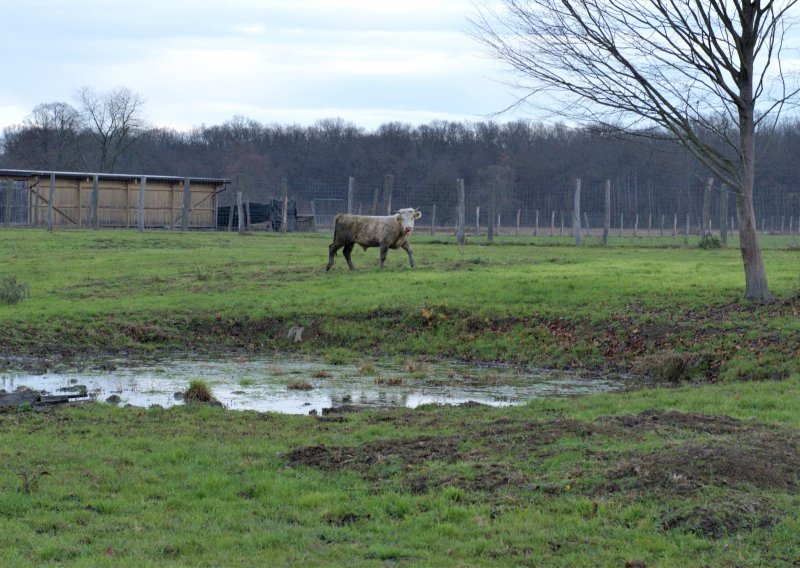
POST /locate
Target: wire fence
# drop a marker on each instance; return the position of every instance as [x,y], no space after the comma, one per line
[510,209]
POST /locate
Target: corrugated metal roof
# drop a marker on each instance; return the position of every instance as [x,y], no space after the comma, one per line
[81,175]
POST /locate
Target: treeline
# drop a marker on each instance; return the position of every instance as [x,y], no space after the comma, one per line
[525,165]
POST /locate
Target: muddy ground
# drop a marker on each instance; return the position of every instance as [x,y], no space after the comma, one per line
[712,475]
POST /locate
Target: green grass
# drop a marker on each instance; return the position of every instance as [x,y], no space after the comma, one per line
[553,483]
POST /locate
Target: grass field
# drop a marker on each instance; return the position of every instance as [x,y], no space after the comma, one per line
[702,471]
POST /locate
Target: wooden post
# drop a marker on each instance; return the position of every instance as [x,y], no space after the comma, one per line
[9,189]
[621,224]
[561,214]
[636,225]
[688,227]
[461,211]
[187,202]
[607,215]
[95,202]
[586,223]
[536,224]
[313,216]
[351,189]
[478,221]
[723,215]
[576,213]
[388,188]
[247,213]
[285,216]
[37,188]
[492,212]
[706,230]
[497,230]
[239,212]
[230,218]
[674,225]
[433,218]
[661,233]
[649,223]
[375,198]
[519,213]
[50,202]
[553,224]
[142,188]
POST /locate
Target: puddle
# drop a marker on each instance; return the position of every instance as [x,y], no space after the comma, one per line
[263,384]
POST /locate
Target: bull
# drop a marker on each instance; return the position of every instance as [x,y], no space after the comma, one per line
[390,232]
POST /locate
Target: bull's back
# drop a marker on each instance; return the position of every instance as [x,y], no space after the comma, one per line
[365,230]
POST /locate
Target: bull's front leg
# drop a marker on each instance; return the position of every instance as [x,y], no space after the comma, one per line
[407,248]
[332,253]
[384,250]
[346,251]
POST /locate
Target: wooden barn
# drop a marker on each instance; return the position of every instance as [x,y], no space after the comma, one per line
[79,199]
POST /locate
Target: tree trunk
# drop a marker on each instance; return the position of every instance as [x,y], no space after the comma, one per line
[755,288]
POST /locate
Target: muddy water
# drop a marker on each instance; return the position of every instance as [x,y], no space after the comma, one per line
[299,386]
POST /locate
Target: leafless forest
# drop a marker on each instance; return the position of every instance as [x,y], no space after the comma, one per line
[529,168]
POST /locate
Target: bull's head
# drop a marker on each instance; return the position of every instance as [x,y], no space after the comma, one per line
[406,218]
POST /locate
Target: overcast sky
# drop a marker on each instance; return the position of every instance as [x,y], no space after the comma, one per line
[276,61]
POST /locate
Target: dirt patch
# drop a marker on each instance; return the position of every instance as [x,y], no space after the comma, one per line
[721,518]
[654,419]
[760,459]
[737,454]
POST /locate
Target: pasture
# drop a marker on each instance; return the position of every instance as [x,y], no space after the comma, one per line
[701,470]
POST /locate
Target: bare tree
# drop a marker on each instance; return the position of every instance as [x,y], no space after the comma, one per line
[705,72]
[115,121]
[48,139]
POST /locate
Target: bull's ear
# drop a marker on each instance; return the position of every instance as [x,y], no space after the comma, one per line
[398,217]
[417,214]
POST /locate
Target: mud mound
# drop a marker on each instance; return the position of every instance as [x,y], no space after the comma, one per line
[654,419]
[720,519]
[758,459]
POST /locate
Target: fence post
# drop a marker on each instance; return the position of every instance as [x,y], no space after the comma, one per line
[240,212]
[247,212]
[478,221]
[723,215]
[492,212]
[636,225]
[388,188]
[187,200]
[561,215]
[576,213]
[433,218]
[461,211]
[536,224]
[142,188]
[586,224]
[688,222]
[661,233]
[313,216]
[285,216]
[607,217]
[9,189]
[707,209]
[351,188]
[50,201]
[94,203]
[553,224]
[621,224]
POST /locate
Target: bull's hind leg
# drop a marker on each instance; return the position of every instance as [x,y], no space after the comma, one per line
[407,248]
[332,253]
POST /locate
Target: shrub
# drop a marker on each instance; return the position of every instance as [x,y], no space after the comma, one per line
[709,241]
[12,291]
[198,392]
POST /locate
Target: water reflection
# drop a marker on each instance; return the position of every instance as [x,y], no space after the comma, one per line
[263,384]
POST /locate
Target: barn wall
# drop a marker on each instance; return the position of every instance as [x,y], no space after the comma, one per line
[118,203]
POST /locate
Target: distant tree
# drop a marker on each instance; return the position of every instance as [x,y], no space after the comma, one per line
[686,68]
[115,121]
[48,138]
